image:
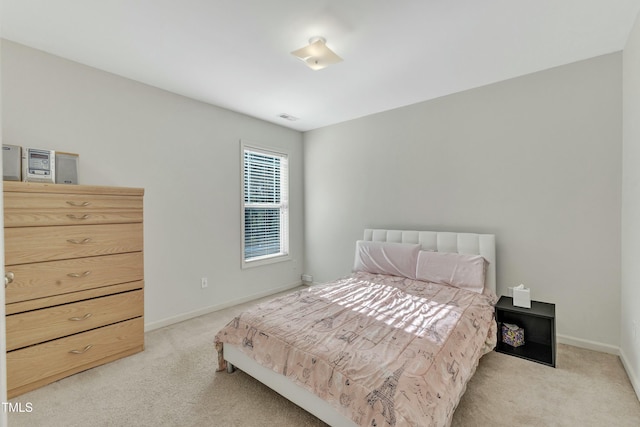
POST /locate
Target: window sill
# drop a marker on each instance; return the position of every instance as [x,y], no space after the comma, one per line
[270,259]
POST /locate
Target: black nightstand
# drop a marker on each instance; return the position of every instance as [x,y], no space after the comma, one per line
[539,324]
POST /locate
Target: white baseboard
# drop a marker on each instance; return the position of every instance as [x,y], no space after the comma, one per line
[589,345]
[190,315]
[630,373]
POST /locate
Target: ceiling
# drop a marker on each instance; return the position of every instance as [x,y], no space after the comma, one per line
[236,53]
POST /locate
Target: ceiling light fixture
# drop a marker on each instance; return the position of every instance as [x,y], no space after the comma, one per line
[317,55]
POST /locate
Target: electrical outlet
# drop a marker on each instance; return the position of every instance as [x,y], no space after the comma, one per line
[204,283]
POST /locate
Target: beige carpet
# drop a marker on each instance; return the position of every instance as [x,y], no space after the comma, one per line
[173,383]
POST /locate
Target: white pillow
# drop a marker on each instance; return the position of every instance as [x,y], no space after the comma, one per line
[460,270]
[396,259]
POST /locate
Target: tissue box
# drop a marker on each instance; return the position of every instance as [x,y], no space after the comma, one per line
[522,297]
[512,335]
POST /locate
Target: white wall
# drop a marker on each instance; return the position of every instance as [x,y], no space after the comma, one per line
[630,309]
[3,324]
[535,160]
[184,153]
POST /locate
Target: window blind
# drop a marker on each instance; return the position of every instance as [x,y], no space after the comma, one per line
[265,188]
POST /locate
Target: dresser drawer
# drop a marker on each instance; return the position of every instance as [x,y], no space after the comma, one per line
[37,326]
[41,364]
[35,244]
[44,279]
[38,209]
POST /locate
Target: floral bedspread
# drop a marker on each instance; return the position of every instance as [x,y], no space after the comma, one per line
[383,350]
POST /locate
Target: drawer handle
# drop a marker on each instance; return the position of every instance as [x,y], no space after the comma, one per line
[85,216]
[76,275]
[78,205]
[79,242]
[8,278]
[78,319]
[84,350]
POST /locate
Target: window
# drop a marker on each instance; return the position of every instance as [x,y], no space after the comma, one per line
[265,207]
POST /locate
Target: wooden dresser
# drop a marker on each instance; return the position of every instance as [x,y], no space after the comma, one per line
[76,300]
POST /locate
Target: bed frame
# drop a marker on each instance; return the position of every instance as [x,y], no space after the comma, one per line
[463,243]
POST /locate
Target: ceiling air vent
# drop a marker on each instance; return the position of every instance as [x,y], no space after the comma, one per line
[288,117]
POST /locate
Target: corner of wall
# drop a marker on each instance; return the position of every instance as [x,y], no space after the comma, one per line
[633,377]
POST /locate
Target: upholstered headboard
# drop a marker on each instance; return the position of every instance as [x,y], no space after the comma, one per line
[462,243]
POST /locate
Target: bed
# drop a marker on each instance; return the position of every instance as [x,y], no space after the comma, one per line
[391,344]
